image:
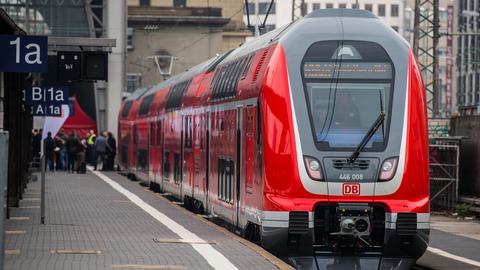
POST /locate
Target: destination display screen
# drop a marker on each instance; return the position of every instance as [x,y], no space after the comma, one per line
[347,70]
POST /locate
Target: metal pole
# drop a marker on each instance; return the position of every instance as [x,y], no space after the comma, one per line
[42,191]
[416,27]
[257,24]
[436,92]
[3,189]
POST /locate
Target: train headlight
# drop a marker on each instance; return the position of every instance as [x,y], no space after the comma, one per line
[314,168]
[314,165]
[387,166]
[388,169]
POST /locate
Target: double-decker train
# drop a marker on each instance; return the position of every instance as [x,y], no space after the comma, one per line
[310,138]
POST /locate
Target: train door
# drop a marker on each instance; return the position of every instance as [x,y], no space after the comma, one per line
[188,155]
[207,160]
[161,138]
[238,166]
[150,132]
[134,160]
[180,162]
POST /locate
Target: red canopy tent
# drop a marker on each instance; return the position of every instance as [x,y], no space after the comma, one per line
[79,121]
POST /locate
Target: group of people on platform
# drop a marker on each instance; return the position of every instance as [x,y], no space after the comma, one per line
[71,153]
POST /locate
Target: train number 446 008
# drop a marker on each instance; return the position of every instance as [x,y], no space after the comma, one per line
[351,189]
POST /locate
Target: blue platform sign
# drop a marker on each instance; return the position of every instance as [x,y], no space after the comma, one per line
[24,53]
[46,100]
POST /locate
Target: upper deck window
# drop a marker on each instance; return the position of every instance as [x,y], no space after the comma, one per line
[145,105]
[174,100]
[126,108]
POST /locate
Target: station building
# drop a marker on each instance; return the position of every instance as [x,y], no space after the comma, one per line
[186,32]
[468,57]
[283,12]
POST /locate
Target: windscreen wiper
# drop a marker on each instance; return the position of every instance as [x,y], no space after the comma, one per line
[367,137]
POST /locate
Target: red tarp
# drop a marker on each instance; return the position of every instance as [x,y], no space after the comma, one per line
[80,121]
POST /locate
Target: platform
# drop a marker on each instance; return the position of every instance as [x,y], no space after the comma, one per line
[454,244]
[104,221]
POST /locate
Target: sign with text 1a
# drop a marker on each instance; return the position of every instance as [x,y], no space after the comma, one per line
[24,53]
[46,100]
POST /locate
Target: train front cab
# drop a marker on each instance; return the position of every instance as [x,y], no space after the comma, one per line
[318,195]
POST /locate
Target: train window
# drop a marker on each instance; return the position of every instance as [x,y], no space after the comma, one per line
[159,132]
[200,130]
[187,131]
[174,100]
[347,84]
[177,172]
[142,160]
[216,79]
[225,179]
[249,155]
[135,135]
[153,138]
[223,82]
[226,80]
[230,180]
[247,67]
[218,61]
[126,108]
[220,173]
[236,75]
[145,105]
[166,166]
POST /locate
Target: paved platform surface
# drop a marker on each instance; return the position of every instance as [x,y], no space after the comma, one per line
[453,243]
[104,221]
[91,225]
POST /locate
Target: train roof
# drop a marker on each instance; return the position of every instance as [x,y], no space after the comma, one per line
[137,93]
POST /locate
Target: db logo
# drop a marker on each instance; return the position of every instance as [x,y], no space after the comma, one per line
[351,189]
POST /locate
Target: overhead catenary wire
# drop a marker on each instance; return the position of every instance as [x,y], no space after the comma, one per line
[205,35]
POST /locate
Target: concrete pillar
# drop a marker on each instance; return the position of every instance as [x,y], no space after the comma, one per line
[115,28]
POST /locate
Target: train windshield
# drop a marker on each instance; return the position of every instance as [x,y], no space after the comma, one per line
[348,85]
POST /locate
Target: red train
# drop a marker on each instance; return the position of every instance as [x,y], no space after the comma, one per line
[310,138]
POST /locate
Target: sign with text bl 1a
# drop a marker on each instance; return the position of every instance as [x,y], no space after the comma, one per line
[24,53]
[46,100]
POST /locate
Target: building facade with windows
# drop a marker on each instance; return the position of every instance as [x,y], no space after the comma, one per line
[446,93]
[174,35]
[391,11]
[468,60]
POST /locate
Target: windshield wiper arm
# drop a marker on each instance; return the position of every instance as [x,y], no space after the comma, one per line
[367,137]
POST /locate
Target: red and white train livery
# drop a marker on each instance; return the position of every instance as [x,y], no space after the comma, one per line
[310,137]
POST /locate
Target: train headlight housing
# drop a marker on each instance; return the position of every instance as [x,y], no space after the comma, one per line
[314,169]
[388,169]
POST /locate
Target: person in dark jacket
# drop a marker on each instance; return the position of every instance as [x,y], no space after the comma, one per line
[36,147]
[72,148]
[49,151]
[112,151]
[100,150]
